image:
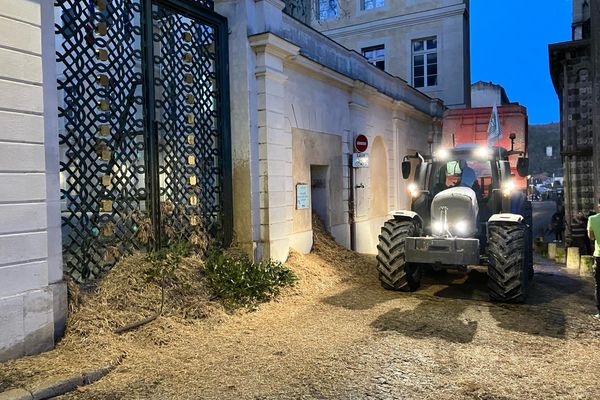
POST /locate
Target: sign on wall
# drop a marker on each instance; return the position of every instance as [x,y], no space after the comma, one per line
[361,143]
[302,196]
[360,160]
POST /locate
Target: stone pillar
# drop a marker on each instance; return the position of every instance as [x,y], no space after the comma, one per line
[244,136]
[595,71]
[401,148]
[32,293]
[275,144]
[358,121]
[573,258]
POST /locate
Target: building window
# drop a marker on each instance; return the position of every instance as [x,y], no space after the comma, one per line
[425,62]
[375,55]
[327,9]
[371,4]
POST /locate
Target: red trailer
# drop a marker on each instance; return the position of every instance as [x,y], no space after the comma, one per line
[469,125]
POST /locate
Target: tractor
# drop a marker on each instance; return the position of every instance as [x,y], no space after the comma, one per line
[466,210]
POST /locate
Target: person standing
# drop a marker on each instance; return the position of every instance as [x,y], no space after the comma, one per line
[579,234]
[593,229]
[557,224]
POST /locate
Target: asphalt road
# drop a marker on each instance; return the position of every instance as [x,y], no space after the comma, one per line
[542,213]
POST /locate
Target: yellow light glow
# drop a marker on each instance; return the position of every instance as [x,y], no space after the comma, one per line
[482,152]
[461,226]
[508,187]
[414,190]
[442,154]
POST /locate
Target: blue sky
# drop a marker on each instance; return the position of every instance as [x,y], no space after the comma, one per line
[509,46]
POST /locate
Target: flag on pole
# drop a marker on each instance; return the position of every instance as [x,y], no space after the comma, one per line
[494,129]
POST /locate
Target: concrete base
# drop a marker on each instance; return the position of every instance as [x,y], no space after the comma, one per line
[302,242]
[573,258]
[31,321]
[586,267]
[552,251]
[561,255]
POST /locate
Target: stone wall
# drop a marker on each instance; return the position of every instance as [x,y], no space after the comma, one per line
[298,101]
[32,294]
[574,68]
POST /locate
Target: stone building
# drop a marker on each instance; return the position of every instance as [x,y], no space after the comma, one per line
[575,70]
[423,42]
[244,131]
[488,94]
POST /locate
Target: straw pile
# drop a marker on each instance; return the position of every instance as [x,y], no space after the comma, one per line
[125,295]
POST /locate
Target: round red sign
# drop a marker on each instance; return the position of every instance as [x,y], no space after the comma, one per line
[361,143]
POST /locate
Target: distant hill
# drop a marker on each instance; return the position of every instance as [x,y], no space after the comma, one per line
[540,137]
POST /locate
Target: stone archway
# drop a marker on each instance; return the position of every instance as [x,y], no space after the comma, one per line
[378,169]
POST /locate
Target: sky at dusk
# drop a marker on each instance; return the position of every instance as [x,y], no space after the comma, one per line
[509,46]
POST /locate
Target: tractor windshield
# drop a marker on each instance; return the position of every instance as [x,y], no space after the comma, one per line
[476,174]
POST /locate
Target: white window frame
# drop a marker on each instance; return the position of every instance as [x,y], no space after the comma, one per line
[425,52]
[373,61]
[363,4]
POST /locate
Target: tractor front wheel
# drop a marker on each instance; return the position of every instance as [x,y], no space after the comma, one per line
[394,272]
[508,268]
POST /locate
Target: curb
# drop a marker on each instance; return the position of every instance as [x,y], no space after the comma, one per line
[53,387]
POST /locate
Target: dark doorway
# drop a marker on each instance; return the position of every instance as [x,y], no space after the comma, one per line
[319,185]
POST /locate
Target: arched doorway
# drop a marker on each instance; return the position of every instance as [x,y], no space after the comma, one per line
[379,183]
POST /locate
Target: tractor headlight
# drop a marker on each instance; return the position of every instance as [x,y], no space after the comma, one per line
[438,227]
[483,152]
[461,227]
[442,154]
[508,187]
[414,190]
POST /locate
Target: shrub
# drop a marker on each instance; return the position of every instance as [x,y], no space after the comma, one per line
[241,282]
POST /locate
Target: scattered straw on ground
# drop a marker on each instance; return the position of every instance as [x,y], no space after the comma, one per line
[337,334]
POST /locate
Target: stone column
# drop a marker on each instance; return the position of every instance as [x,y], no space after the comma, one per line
[32,294]
[401,149]
[244,141]
[595,71]
[275,145]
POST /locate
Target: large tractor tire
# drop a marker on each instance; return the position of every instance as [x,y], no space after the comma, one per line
[394,272]
[508,262]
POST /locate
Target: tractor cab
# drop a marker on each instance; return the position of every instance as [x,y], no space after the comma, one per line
[486,171]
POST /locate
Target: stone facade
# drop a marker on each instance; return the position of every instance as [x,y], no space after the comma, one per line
[394,26]
[298,100]
[488,94]
[32,293]
[574,67]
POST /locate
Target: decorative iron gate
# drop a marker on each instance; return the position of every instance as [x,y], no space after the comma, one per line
[144,128]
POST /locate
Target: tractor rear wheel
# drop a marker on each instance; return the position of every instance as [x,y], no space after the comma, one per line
[394,272]
[508,266]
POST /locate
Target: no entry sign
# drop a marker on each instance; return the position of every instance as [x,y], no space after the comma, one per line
[361,143]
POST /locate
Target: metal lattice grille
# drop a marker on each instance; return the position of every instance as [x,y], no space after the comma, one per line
[186,113]
[107,143]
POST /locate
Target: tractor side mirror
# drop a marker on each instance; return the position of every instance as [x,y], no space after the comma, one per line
[523,166]
[406,169]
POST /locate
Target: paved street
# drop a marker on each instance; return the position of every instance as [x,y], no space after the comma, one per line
[542,213]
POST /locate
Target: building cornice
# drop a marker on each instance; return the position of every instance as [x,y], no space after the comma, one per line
[400,20]
[270,43]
